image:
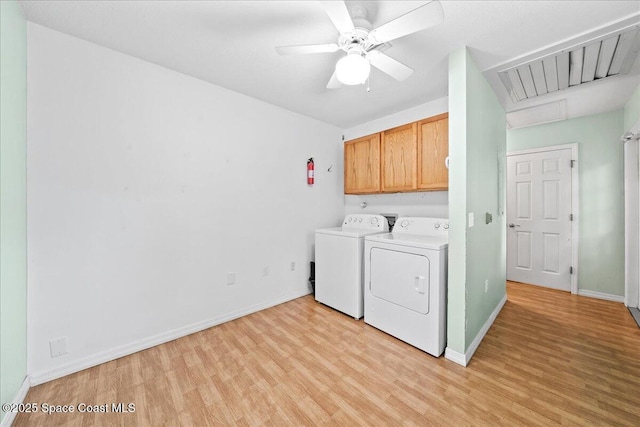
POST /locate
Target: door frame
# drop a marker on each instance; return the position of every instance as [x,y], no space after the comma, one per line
[631,209]
[575,201]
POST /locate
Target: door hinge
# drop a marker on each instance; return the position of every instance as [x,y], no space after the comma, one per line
[570,270]
[570,217]
[573,162]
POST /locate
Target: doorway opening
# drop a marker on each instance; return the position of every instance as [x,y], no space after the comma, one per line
[542,217]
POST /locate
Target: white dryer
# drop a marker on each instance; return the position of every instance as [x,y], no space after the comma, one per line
[406,282]
[339,262]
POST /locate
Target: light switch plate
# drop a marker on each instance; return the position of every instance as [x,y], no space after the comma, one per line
[471,220]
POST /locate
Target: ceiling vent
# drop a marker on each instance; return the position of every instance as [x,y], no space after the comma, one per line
[602,58]
[545,113]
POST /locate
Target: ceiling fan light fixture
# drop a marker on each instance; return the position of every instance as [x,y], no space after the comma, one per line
[353,69]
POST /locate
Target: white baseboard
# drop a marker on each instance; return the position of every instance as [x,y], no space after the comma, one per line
[485,328]
[127,349]
[454,356]
[463,359]
[601,295]
[22,393]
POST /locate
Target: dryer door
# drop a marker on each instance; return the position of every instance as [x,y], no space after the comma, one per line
[400,278]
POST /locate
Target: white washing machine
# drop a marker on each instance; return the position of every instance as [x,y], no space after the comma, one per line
[339,263]
[406,282]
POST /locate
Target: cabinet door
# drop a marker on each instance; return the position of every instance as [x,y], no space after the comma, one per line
[399,158]
[362,165]
[433,149]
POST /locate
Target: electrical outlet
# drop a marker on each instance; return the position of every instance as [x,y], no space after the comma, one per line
[265,271]
[486,286]
[292,266]
[231,278]
[58,347]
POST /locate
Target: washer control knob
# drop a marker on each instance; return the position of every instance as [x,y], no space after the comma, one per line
[436,225]
[446,225]
[359,219]
[374,220]
[404,223]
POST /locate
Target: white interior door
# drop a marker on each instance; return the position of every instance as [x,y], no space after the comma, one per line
[539,247]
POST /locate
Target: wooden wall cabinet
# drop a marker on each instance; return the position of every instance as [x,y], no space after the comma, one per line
[406,158]
[399,158]
[433,149]
[362,165]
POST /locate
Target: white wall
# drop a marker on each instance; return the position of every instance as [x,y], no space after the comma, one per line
[431,204]
[145,187]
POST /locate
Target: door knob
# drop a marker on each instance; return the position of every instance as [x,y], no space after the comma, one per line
[513,225]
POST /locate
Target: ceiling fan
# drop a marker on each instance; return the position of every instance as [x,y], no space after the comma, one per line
[363,44]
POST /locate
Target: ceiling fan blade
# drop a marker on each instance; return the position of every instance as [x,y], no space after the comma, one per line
[334,83]
[309,48]
[387,64]
[339,15]
[418,19]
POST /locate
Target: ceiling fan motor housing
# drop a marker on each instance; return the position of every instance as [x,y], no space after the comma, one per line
[355,40]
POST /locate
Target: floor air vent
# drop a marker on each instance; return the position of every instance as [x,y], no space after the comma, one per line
[598,59]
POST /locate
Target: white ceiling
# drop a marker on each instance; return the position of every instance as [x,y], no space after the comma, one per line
[231,44]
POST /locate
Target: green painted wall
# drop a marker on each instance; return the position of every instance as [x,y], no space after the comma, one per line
[13,238]
[601,216]
[486,243]
[477,145]
[456,309]
[632,110]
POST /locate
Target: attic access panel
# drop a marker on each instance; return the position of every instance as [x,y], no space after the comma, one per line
[609,56]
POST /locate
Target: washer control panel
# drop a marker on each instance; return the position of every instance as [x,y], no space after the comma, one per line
[422,226]
[366,222]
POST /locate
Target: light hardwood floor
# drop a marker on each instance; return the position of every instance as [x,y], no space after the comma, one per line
[549,359]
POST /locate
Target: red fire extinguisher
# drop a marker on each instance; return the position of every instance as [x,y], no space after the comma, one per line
[310,171]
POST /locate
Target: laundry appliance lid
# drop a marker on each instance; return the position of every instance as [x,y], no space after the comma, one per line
[412,240]
[348,232]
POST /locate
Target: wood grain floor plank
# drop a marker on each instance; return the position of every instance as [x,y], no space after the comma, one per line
[550,358]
